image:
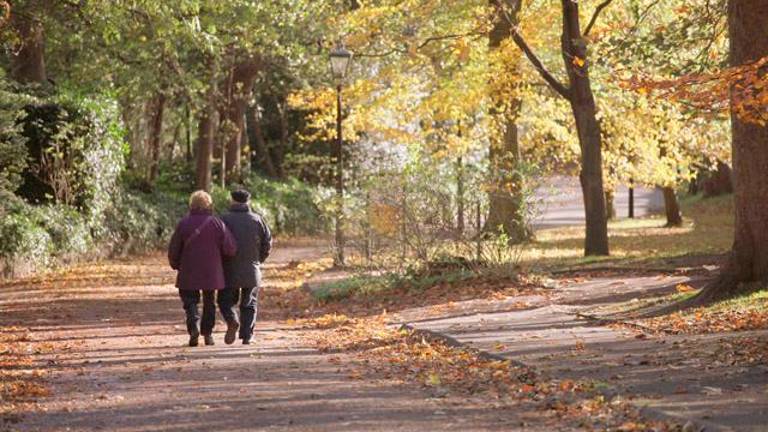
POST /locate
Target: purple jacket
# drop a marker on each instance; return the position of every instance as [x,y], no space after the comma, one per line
[197,249]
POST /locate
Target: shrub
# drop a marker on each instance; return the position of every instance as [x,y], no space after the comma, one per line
[25,245]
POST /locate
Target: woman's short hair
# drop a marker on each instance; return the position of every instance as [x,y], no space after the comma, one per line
[200,200]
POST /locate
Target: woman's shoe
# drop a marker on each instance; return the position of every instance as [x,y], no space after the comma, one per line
[209,339]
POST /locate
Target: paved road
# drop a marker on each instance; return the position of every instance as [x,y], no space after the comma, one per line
[684,376]
[562,204]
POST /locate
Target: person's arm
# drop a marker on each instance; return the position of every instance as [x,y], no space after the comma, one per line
[266,240]
[228,243]
[175,249]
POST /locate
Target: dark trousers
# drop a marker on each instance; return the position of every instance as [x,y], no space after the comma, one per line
[248,298]
[190,299]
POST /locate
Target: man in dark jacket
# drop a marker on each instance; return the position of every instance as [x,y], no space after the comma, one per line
[242,272]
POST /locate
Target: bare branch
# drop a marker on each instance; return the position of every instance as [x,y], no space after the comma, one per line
[595,15]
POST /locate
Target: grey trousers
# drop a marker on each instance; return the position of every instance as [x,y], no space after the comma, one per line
[248,299]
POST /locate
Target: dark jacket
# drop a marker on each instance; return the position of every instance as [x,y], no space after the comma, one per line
[197,249]
[254,242]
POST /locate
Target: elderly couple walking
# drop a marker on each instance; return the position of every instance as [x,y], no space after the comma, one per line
[218,259]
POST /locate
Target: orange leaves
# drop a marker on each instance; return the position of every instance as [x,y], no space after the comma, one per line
[684,288]
[578,62]
[20,381]
[743,89]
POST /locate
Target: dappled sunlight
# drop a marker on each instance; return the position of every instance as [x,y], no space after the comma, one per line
[707,230]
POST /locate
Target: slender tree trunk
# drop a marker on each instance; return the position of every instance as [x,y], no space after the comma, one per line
[260,144]
[243,77]
[584,109]
[748,261]
[28,60]
[610,207]
[672,207]
[205,140]
[188,131]
[505,195]
[279,152]
[460,222]
[155,136]
[245,141]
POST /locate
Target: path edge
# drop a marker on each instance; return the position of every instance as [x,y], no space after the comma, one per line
[688,423]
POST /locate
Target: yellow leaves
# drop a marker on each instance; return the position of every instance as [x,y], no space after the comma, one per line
[578,61]
[684,288]
[383,218]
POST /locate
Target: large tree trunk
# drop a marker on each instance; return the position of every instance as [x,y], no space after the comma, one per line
[155,136]
[241,89]
[505,195]
[28,60]
[588,129]
[748,261]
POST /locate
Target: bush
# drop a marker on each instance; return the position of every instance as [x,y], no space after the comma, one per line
[25,247]
[137,222]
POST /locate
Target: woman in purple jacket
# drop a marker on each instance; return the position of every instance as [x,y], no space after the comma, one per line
[197,248]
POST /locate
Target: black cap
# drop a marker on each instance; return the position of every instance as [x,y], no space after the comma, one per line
[241,196]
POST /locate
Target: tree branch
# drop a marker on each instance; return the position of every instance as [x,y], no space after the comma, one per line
[553,82]
[595,15]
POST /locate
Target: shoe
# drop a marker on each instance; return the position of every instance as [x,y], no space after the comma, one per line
[209,340]
[246,341]
[193,338]
[232,328]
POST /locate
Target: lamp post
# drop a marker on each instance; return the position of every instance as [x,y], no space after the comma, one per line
[340,59]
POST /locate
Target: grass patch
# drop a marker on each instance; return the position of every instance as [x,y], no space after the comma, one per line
[383,284]
[707,230]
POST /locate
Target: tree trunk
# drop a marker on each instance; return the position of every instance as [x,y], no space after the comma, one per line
[278,153]
[610,208]
[672,207]
[584,109]
[505,195]
[719,182]
[243,77]
[748,261]
[28,60]
[260,144]
[155,136]
[205,140]
[460,222]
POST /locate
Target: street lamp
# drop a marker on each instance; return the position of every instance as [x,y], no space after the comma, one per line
[340,59]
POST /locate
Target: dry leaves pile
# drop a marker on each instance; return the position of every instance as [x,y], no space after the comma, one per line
[406,357]
[738,315]
[21,383]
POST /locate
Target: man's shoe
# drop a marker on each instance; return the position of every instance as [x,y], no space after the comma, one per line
[193,338]
[232,328]
[209,340]
[246,341]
